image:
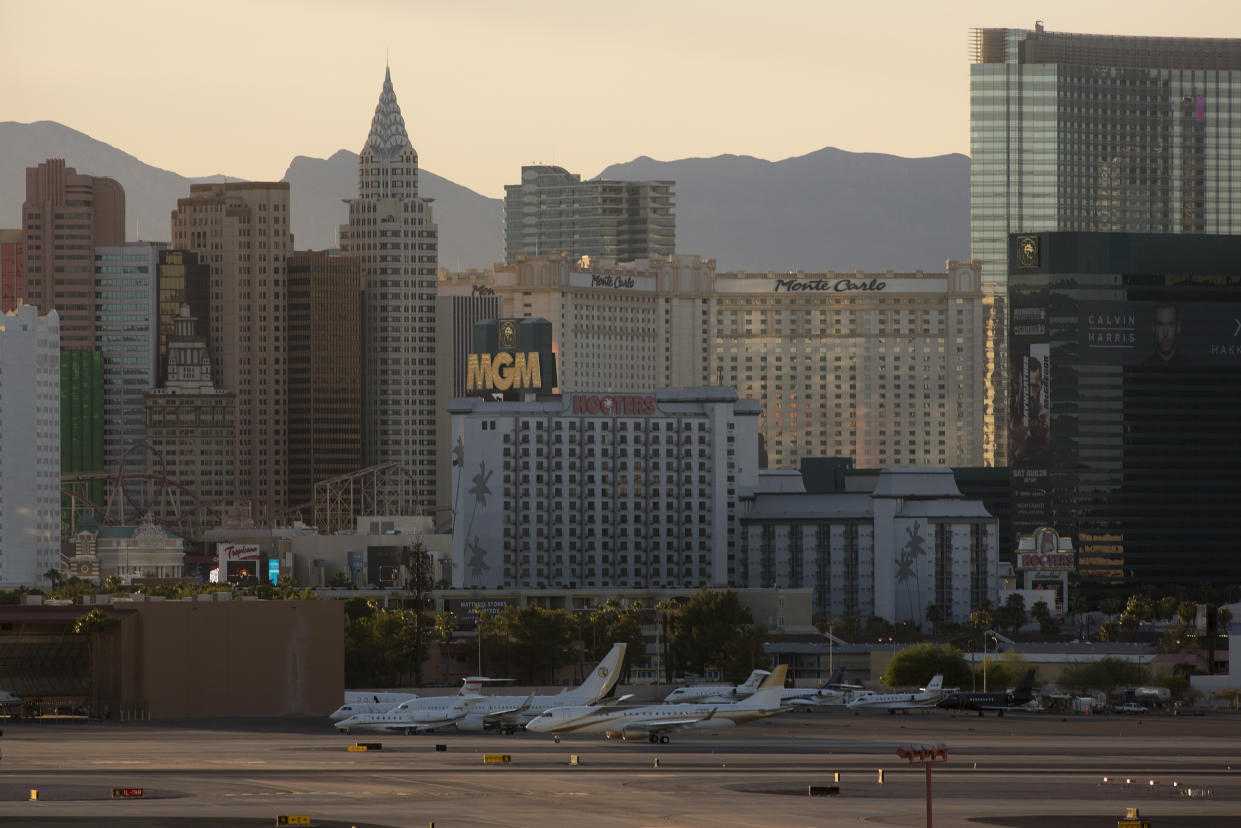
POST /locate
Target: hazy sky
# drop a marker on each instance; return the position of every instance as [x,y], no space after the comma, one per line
[223,86]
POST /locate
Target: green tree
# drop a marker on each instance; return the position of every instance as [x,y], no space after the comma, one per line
[445,626]
[914,666]
[420,567]
[1229,695]
[1006,671]
[92,622]
[537,642]
[935,615]
[1166,607]
[705,629]
[1012,616]
[1047,623]
[982,619]
[1109,632]
[1187,611]
[379,647]
[1111,606]
[746,654]
[1223,618]
[667,610]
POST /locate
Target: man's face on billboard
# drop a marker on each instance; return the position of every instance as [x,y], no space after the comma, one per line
[1166,327]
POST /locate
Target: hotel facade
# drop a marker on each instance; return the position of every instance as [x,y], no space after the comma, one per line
[885,368]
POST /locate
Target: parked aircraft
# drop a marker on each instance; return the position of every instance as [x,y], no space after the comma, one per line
[831,692]
[356,703]
[717,692]
[893,702]
[475,712]
[10,704]
[655,721]
[1021,695]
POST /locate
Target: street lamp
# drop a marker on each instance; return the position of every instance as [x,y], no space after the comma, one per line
[984,656]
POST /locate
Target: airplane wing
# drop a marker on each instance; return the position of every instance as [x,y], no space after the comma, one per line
[670,725]
[509,716]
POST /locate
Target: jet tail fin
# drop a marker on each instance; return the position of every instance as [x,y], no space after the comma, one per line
[755,679]
[835,678]
[770,692]
[602,679]
[936,682]
[1027,684]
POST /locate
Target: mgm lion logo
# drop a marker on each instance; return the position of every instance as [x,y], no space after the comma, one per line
[603,672]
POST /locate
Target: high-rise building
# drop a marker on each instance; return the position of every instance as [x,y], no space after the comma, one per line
[184,279]
[242,229]
[81,416]
[29,446]
[125,325]
[325,381]
[455,316]
[602,490]
[1077,132]
[392,230]
[64,217]
[884,368]
[1126,383]
[553,211]
[12,268]
[643,325]
[190,423]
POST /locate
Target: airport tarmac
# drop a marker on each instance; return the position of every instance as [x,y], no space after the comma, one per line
[1020,770]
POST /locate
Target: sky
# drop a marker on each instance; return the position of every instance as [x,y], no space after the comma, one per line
[240,87]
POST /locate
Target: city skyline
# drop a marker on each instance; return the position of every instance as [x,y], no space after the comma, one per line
[683,83]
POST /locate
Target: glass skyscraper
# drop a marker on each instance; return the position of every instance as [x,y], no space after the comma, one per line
[1076,132]
[1126,383]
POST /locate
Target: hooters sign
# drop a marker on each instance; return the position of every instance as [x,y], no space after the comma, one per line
[627,405]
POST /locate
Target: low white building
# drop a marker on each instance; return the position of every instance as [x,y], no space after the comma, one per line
[29,446]
[602,490]
[892,544]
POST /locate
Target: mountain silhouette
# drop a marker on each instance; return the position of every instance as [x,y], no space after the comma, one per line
[828,210]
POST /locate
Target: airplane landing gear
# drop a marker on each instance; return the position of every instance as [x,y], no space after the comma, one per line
[653,739]
[663,740]
[556,739]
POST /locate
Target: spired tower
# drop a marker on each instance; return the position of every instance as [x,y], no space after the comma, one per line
[393,233]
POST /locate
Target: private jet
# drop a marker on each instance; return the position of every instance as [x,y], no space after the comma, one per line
[893,702]
[655,722]
[475,712]
[717,692]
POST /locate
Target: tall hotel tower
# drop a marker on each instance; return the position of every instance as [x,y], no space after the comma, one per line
[1083,132]
[393,232]
[242,229]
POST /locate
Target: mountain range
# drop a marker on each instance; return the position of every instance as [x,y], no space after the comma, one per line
[828,210]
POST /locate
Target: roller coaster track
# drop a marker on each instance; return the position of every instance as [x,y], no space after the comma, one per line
[129,495]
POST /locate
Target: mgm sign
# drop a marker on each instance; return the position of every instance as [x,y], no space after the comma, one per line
[511,357]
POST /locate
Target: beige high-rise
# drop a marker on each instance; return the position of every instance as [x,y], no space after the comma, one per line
[243,230]
[65,216]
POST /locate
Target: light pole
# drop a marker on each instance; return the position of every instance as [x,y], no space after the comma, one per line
[984,656]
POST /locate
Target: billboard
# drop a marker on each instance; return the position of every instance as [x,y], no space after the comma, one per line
[1030,376]
[1165,334]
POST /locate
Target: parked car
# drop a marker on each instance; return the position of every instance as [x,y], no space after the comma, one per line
[1129,707]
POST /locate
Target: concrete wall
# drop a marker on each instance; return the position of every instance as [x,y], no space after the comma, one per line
[237,658]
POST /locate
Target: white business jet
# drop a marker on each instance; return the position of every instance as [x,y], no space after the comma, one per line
[893,702]
[474,712]
[717,692]
[655,722]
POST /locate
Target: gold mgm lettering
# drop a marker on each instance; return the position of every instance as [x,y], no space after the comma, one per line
[503,371]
